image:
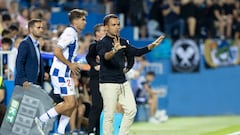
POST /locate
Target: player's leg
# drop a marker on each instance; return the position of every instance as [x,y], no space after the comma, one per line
[66,108]
[65,87]
[126,99]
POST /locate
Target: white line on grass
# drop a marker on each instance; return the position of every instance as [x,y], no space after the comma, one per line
[235,133]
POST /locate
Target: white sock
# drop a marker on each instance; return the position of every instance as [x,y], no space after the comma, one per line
[48,115]
[63,123]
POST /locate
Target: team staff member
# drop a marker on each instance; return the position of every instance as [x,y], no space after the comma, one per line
[113,85]
[29,64]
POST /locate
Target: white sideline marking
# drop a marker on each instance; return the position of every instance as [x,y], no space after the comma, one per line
[235,133]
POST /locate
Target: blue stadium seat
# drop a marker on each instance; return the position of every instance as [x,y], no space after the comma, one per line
[59,18]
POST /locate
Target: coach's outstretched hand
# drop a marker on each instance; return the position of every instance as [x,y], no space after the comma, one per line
[156,42]
[117,45]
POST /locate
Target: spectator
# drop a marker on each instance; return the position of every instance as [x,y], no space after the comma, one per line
[229,11]
[46,18]
[47,44]
[108,5]
[123,7]
[6,20]
[155,23]
[137,13]
[6,33]
[205,26]
[172,21]
[188,15]
[140,63]
[6,46]
[85,95]
[3,6]
[236,21]
[13,32]
[146,95]
[22,19]
[2,107]
[83,48]
[223,17]
[60,29]
[36,13]
[13,10]
[13,54]
[138,68]
[2,90]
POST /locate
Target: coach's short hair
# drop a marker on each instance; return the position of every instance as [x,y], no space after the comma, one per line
[76,13]
[32,22]
[108,17]
[97,28]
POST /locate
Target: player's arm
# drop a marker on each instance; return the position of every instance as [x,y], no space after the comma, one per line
[65,39]
[73,66]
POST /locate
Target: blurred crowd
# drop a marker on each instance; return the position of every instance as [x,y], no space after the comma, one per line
[183,18]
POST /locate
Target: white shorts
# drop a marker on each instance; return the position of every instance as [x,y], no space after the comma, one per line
[63,85]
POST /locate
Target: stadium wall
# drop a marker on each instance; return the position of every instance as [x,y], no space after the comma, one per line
[210,91]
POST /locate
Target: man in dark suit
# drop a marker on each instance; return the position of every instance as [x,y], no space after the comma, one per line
[29,64]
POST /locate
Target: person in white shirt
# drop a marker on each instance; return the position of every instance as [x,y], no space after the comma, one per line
[62,70]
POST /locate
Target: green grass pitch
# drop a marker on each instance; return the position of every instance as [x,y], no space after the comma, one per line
[210,125]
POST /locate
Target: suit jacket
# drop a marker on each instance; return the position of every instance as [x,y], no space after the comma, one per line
[27,64]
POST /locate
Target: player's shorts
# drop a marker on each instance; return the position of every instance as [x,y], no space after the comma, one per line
[64,86]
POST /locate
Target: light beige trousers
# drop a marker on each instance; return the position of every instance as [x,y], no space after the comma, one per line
[111,94]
